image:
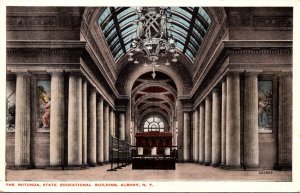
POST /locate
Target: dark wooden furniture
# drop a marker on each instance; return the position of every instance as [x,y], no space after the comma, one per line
[154,150]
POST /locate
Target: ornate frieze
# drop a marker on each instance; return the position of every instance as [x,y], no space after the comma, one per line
[54,21]
[246,19]
[33,21]
[272,21]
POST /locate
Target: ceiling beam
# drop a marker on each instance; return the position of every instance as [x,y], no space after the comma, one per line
[190,31]
[114,16]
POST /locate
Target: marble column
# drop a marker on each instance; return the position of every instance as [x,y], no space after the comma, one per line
[208,137]
[193,136]
[285,114]
[111,122]
[128,133]
[202,133]
[57,120]
[100,131]
[106,132]
[216,128]
[186,137]
[75,120]
[180,132]
[84,122]
[91,143]
[114,124]
[223,124]
[122,125]
[251,148]
[22,128]
[196,135]
[233,121]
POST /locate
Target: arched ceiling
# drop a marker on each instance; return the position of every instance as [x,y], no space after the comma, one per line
[188,26]
[150,96]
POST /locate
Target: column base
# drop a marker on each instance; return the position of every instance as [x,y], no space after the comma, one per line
[76,167]
[232,168]
[215,164]
[221,166]
[201,162]
[55,168]
[25,167]
[283,167]
[92,164]
[251,168]
[207,163]
[100,163]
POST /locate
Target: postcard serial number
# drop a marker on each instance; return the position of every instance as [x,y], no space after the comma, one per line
[265,172]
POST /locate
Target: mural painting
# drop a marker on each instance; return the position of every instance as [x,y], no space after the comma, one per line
[265,106]
[44,104]
[10,105]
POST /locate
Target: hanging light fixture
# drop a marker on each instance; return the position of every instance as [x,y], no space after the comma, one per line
[152,39]
[167,63]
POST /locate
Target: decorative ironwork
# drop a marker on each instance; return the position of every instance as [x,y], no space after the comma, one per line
[152,39]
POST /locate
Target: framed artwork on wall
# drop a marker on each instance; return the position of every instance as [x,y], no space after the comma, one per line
[43,93]
[10,105]
[265,103]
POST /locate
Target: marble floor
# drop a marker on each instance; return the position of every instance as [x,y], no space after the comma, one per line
[183,172]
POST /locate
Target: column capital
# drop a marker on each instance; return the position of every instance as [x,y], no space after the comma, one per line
[92,89]
[216,89]
[74,72]
[234,72]
[252,72]
[286,73]
[122,103]
[202,103]
[22,72]
[56,72]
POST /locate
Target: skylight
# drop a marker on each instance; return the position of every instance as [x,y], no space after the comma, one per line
[188,27]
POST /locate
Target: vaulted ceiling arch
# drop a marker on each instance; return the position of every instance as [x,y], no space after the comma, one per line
[127,78]
[154,95]
[146,84]
[158,105]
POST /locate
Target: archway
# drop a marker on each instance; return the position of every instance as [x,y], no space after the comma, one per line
[156,98]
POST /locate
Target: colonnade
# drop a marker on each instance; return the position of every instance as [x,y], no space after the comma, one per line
[78,114]
[217,125]
[81,122]
[218,118]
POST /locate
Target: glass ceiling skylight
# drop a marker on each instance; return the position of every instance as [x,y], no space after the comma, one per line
[188,27]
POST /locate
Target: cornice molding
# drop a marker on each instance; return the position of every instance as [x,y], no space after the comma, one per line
[47,44]
[94,47]
[257,44]
[104,48]
[202,63]
[45,51]
[229,47]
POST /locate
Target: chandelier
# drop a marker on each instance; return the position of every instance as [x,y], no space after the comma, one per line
[152,39]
